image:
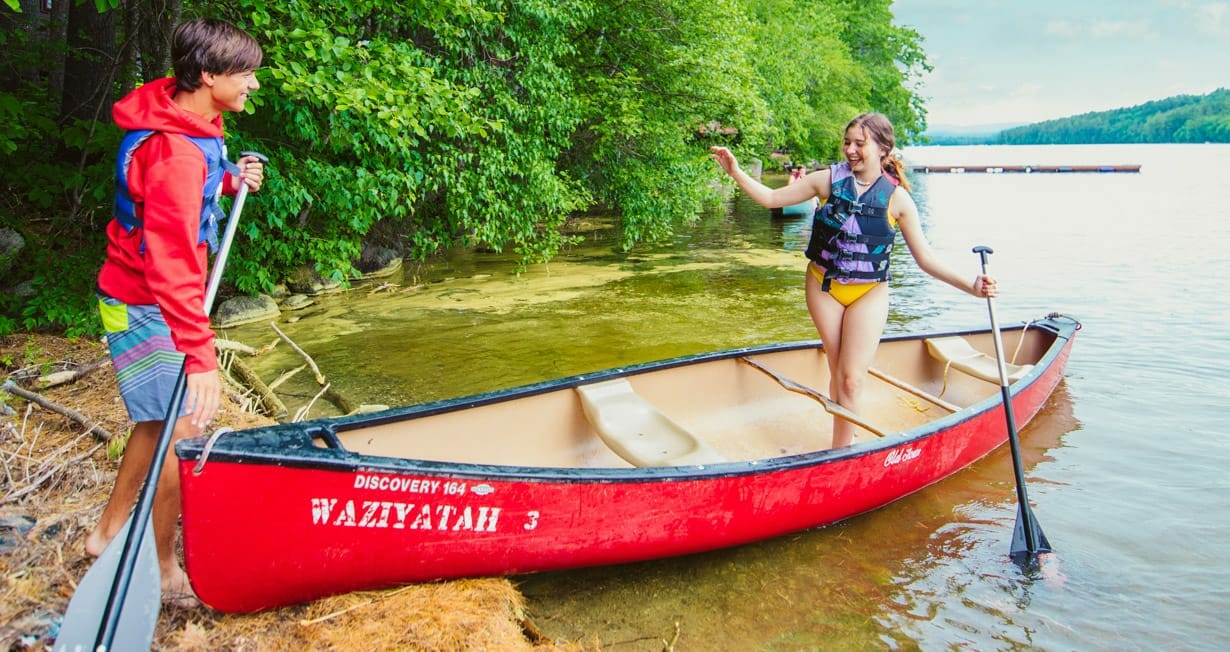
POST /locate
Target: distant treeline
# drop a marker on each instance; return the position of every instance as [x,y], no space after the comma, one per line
[1178,119]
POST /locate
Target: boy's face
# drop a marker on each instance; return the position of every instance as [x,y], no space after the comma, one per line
[230,92]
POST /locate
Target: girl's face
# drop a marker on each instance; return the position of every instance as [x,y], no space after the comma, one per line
[862,151]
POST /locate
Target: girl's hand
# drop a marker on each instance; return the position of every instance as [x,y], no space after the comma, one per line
[725,158]
[251,171]
[985,286]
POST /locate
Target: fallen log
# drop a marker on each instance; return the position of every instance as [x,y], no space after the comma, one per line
[91,426]
[272,405]
[70,375]
[331,394]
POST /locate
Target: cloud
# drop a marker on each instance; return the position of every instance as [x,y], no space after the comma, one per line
[1207,17]
[1214,18]
[1066,28]
[1063,28]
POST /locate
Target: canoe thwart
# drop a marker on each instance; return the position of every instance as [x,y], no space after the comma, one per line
[955,352]
[832,407]
[635,429]
[920,393]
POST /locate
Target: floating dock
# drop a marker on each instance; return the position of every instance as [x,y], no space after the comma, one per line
[1026,169]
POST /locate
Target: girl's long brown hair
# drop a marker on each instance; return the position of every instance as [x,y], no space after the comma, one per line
[878,126]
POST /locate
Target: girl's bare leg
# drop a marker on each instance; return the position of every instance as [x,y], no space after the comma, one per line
[850,335]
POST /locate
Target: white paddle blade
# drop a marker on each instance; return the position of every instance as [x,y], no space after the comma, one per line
[139,607]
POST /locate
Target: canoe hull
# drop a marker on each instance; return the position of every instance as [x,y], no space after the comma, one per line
[276,520]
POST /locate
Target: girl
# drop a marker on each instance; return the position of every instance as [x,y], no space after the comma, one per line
[865,202]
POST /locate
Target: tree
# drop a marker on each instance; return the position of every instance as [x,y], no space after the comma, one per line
[651,74]
[90,68]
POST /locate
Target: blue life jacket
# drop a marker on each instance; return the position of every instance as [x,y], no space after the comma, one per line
[216,164]
[852,236]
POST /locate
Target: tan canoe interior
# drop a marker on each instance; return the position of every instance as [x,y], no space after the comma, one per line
[723,410]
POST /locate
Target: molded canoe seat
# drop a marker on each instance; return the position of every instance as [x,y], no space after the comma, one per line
[637,431]
[957,353]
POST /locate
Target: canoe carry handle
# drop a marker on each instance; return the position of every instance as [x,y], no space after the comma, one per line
[209,446]
[325,434]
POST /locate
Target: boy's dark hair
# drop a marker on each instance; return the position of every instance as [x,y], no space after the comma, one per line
[211,45]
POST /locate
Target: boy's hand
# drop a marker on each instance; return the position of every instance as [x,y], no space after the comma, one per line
[251,171]
[203,397]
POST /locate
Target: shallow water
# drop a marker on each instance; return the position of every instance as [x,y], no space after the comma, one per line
[1125,464]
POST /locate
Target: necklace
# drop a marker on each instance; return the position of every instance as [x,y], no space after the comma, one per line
[863,184]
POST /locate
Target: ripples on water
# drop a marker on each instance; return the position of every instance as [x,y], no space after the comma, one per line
[1126,464]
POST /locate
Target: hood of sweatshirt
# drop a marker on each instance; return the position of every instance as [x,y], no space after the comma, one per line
[152,107]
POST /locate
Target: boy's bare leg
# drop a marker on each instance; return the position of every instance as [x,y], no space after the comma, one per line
[133,467]
[176,589]
[166,509]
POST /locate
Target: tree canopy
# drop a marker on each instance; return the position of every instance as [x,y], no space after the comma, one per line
[429,124]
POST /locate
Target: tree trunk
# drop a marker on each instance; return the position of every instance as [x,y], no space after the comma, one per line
[29,35]
[157,22]
[90,67]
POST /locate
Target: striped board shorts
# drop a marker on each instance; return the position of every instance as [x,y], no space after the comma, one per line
[147,365]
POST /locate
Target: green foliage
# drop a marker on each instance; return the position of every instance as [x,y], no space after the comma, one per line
[655,77]
[1178,119]
[60,293]
[889,57]
[423,125]
[806,75]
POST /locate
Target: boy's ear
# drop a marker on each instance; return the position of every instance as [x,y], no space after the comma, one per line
[207,79]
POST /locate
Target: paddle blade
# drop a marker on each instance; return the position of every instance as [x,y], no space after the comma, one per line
[138,608]
[1020,551]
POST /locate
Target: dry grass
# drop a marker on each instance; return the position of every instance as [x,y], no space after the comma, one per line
[49,502]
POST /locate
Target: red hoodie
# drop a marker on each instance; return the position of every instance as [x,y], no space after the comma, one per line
[166,180]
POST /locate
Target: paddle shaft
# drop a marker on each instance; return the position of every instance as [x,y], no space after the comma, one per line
[1026,522]
[145,502]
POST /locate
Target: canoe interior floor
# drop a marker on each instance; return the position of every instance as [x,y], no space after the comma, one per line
[740,412]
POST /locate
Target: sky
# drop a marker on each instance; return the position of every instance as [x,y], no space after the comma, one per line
[1020,61]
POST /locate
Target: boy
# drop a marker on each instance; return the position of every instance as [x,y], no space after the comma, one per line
[152,284]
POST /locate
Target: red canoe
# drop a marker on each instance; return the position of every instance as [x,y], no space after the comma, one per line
[656,460]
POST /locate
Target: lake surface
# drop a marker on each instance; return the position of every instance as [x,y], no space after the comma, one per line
[1127,465]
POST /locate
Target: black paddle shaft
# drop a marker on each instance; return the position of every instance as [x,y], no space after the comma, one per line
[1028,539]
[145,504]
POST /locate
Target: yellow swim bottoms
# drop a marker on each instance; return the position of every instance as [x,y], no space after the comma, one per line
[845,293]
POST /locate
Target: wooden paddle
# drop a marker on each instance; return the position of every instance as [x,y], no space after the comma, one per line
[832,407]
[1027,537]
[119,599]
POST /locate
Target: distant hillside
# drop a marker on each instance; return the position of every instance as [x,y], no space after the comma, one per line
[965,135]
[1178,119]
